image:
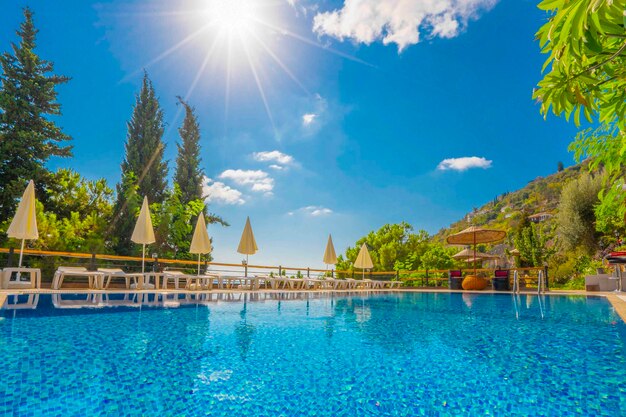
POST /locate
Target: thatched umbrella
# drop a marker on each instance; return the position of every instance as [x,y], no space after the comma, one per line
[474,235]
[469,254]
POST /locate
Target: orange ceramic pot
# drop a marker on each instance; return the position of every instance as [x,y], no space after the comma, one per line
[472,282]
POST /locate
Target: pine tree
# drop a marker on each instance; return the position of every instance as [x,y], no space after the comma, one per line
[188,174]
[145,147]
[27,137]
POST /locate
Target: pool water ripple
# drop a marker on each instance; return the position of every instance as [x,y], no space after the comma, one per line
[407,354]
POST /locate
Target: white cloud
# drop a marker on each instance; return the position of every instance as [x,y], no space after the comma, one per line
[308,118]
[220,193]
[399,21]
[277,167]
[464,163]
[314,211]
[258,180]
[273,156]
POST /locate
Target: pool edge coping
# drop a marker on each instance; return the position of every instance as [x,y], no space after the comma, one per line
[618,303]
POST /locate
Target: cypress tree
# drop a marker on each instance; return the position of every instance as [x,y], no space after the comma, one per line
[144,172]
[126,208]
[27,137]
[145,147]
[188,174]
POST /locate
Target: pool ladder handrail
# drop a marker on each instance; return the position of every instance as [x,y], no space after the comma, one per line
[515,282]
[541,283]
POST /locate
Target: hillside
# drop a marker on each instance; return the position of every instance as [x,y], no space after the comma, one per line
[539,197]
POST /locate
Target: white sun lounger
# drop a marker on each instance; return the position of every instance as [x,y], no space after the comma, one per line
[266,281]
[203,282]
[312,283]
[112,273]
[351,284]
[333,283]
[278,282]
[240,282]
[176,277]
[33,281]
[95,279]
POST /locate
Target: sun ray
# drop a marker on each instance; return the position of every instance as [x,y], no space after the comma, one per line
[227,83]
[260,87]
[174,122]
[280,63]
[313,43]
[168,51]
[205,62]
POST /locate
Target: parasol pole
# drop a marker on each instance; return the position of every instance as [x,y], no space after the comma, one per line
[19,265]
[474,234]
[198,264]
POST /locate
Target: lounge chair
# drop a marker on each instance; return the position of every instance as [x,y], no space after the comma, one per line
[312,283]
[334,283]
[279,282]
[95,279]
[33,281]
[203,282]
[455,279]
[240,282]
[142,285]
[500,281]
[391,284]
[351,284]
[296,283]
[113,273]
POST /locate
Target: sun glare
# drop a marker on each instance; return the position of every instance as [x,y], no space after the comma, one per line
[231,15]
[239,38]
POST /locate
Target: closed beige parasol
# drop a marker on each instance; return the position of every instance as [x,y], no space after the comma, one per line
[143,233]
[247,244]
[364,260]
[200,242]
[330,257]
[24,223]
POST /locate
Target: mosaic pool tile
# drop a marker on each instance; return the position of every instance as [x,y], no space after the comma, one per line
[409,354]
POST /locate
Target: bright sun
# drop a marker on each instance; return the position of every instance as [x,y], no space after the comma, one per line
[235,35]
[231,16]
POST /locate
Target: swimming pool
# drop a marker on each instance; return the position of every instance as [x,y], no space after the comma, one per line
[407,354]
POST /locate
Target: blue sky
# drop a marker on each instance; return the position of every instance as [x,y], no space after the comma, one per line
[325,117]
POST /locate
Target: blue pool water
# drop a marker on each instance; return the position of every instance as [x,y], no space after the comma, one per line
[408,354]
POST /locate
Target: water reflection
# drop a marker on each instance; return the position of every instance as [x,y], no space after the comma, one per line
[244,331]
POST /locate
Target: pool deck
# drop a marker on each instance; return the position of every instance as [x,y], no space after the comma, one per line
[618,301]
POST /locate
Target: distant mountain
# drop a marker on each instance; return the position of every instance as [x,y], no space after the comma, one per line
[539,199]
